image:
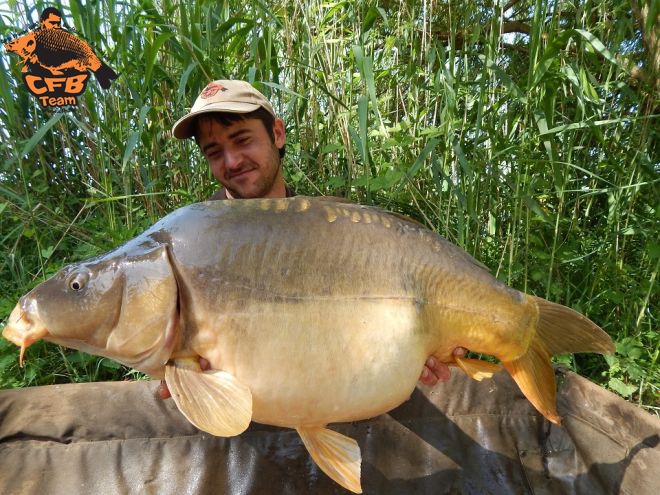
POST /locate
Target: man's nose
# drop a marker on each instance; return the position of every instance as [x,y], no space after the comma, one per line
[233,159]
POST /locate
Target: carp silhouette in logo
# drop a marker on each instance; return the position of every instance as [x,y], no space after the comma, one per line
[50,50]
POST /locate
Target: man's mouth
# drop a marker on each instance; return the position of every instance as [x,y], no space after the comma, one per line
[240,173]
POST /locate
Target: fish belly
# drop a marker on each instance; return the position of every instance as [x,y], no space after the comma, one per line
[316,361]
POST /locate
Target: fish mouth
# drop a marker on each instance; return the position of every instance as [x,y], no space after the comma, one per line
[23,329]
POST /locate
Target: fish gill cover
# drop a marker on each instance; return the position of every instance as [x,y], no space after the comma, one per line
[56,63]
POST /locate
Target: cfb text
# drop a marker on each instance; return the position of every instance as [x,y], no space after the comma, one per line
[73,85]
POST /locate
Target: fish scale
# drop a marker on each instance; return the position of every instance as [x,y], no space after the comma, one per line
[58,46]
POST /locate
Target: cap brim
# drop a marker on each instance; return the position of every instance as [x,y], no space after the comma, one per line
[183,128]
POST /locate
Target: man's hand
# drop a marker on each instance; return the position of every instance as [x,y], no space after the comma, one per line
[435,371]
[164,392]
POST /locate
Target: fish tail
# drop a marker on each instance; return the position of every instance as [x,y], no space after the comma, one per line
[559,330]
[104,75]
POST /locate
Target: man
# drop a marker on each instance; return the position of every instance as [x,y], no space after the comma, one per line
[50,18]
[241,138]
[243,141]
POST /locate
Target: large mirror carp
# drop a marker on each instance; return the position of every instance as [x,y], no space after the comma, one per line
[310,311]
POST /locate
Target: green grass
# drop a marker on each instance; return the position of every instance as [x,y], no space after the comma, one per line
[535,150]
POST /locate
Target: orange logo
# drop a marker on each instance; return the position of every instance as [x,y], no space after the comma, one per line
[211,90]
[56,62]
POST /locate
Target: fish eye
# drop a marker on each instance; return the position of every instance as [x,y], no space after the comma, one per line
[78,281]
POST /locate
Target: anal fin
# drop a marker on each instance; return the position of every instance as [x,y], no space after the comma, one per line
[336,454]
[213,401]
[476,368]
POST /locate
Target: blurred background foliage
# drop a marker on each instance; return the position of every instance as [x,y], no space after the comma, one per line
[524,131]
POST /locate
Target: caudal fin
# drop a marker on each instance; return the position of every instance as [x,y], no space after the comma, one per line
[105,75]
[559,330]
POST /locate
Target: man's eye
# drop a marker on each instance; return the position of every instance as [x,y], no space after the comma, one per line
[213,154]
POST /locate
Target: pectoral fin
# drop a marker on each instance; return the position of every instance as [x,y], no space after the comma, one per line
[213,401]
[336,454]
[476,368]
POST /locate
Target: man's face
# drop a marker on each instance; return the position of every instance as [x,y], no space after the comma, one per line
[52,21]
[243,157]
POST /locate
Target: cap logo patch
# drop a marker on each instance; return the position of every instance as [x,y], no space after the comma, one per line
[211,90]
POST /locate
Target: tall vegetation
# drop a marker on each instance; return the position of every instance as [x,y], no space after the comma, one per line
[524,131]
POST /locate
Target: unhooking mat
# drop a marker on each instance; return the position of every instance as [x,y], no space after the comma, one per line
[462,437]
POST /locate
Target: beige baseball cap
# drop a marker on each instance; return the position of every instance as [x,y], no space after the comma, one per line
[222,96]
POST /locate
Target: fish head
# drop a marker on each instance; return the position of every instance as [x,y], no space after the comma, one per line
[122,306]
[23,46]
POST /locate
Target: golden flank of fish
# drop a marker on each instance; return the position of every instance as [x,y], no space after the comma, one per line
[310,311]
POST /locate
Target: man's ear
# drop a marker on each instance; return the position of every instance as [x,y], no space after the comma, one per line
[279,133]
